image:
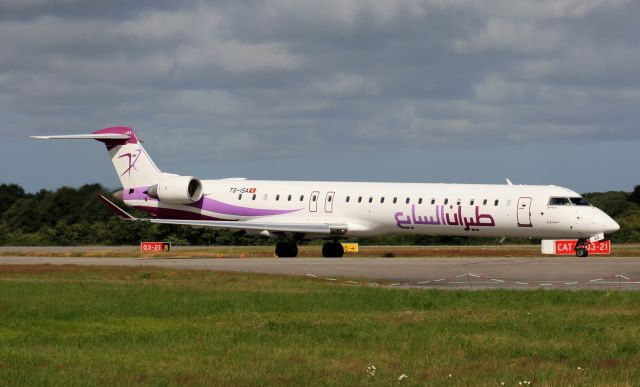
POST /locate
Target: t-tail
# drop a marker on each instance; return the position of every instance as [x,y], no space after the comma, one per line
[132,163]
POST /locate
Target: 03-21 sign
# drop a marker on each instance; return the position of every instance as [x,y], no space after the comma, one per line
[568,247]
[155,247]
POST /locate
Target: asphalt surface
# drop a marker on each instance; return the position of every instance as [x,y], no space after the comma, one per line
[464,273]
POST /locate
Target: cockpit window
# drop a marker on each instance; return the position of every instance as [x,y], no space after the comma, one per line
[559,202]
[579,202]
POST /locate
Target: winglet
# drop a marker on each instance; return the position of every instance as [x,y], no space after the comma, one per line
[120,213]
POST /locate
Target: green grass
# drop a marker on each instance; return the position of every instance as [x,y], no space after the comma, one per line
[86,326]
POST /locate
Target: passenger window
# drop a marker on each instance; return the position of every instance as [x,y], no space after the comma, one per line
[382,200]
[277,197]
[347,199]
[446,201]
[395,200]
[559,202]
[313,198]
[496,202]
[370,199]
[329,199]
[433,201]
[289,198]
[359,199]
[239,196]
[407,201]
[471,202]
[301,197]
[484,202]
[458,202]
[420,201]
[253,197]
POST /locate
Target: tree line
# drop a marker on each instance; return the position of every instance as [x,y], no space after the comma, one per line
[74,216]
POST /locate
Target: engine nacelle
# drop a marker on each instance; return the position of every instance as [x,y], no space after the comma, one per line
[177,190]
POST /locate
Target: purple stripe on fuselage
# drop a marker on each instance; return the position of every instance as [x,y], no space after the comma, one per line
[209,204]
[170,213]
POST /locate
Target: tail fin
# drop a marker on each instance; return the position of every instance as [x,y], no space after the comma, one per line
[132,163]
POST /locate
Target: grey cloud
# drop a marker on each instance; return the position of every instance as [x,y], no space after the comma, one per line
[511,36]
[533,10]
[276,78]
[80,9]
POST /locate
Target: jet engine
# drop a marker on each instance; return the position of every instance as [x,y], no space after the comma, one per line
[177,190]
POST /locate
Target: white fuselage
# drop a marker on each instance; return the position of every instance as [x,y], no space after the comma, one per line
[295,210]
[368,209]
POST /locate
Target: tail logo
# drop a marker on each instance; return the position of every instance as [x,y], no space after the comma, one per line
[132,159]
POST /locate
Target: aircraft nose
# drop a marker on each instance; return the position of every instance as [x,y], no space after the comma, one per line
[609,225]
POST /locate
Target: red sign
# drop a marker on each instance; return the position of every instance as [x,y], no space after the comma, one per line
[155,247]
[568,247]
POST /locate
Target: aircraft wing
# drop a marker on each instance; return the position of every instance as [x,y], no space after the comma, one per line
[313,228]
[277,227]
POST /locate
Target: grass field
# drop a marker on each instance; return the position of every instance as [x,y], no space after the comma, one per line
[618,250]
[85,326]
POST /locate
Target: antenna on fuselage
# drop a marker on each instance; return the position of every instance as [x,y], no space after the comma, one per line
[508,181]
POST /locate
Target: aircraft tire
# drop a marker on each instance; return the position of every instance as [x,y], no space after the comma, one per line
[326,250]
[332,250]
[582,252]
[286,250]
[339,250]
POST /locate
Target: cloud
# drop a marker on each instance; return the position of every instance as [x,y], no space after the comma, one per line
[532,10]
[278,78]
[347,85]
[512,37]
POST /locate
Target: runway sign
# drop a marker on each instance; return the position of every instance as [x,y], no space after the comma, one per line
[155,247]
[350,247]
[568,247]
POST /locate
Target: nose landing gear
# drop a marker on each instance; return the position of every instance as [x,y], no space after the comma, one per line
[581,248]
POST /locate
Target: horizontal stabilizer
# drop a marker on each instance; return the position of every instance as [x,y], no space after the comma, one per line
[120,213]
[93,136]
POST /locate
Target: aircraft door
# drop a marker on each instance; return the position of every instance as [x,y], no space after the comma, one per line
[524,212]
[328,202]
[313,201]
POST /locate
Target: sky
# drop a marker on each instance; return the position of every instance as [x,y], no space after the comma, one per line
[540,92]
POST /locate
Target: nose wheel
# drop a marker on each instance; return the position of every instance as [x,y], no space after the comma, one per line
[581,248]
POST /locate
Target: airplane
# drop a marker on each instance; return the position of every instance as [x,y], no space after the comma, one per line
[295,211]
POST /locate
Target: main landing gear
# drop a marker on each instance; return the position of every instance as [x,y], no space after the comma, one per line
[286,249]
[581,248]
[332,250]
[289,249]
